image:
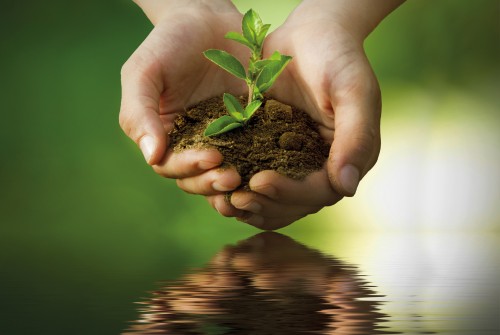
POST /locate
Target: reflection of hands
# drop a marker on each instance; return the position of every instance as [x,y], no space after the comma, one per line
[168,72]
[267,284]
[275,262]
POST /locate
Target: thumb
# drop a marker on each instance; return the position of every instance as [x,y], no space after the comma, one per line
[356,142]
[139,112]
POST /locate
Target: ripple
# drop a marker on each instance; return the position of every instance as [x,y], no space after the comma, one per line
[267,284]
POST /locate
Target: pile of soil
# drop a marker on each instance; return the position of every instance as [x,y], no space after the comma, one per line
[277,137]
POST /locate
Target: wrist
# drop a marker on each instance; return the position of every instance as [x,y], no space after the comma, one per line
[358,17]
[155,10]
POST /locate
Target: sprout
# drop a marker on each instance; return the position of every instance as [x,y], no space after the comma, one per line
[260,76]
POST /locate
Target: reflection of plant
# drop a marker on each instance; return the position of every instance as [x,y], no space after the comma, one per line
[261,74]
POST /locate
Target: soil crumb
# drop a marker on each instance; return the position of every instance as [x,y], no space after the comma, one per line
[278,137]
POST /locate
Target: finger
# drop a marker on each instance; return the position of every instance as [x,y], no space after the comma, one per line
[221,205]
[256,203]
[268,223]
[356,142]
[141,90]
[314,190]
[211,182]
[189,163]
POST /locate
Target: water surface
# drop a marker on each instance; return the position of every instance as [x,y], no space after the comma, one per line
[271,284]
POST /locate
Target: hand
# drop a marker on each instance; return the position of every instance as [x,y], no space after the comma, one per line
[167,73]
[331,79]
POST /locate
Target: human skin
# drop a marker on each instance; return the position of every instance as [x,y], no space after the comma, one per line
[330,78]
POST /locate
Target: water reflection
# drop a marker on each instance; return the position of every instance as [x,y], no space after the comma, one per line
[267,284]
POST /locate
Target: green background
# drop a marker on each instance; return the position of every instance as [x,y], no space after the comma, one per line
[86,227]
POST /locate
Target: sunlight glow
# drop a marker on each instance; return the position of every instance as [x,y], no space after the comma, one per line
[438,168]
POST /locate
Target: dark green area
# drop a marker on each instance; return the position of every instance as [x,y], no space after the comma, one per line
[86,227]
[437,45]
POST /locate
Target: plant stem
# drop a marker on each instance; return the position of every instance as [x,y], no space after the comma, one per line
[250,93]
[256,56]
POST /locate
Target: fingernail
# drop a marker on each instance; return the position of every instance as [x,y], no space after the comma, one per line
[349,178]
[147,145]
[221,188]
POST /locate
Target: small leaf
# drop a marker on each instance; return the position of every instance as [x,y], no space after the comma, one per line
[251,26]
[270,73]
[221,125]
[259,65]
[233,107]
[232,35]
[251,109]
[257,95]
[275,56]
[226,61]
[261,35]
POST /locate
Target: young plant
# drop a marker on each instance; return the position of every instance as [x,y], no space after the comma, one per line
[260,75]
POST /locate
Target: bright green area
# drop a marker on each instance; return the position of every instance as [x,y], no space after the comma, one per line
[86,227]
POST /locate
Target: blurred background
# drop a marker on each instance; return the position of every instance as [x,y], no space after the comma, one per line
[87,228]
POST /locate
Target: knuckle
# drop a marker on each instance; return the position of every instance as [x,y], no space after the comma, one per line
[160,170]
[196,185]
[124,120]
[126,68]
[241,200]
[366,149]
[130,66]
[365,143]
[228,211]
[244,217]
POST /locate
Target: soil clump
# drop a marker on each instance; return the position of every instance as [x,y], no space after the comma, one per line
[278,137]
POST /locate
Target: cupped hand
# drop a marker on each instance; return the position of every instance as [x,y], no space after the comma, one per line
[167,73]
[331,79]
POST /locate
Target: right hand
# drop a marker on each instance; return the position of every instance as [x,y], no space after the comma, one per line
[167,73]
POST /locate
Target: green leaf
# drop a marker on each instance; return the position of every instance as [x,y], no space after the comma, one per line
[251,26]
[259,65]
[233,107]
[270,73]
[232,35]
[256,94]
[221,125]
[226,61]
[251,109]
[275,56]
[261,35]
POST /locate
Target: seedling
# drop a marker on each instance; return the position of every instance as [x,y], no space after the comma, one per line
[260,75]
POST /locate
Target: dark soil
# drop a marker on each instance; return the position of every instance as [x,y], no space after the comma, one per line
[277,137]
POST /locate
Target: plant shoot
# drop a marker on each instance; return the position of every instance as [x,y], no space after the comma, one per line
[260,75]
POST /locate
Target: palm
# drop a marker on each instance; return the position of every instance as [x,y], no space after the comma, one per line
[321,75]
[174,55]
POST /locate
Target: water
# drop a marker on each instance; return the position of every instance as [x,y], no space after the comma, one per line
[271,284]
